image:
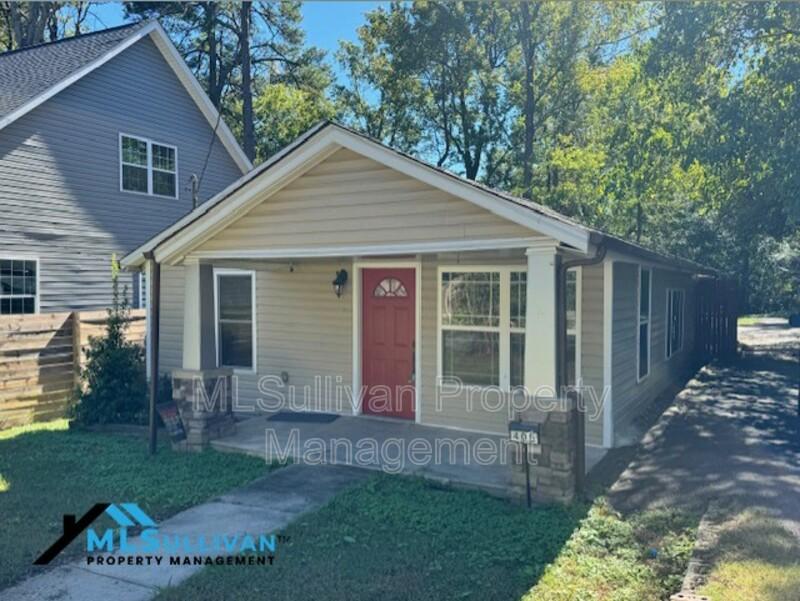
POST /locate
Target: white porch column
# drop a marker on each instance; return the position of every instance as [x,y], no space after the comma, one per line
[540,317]
[198,316]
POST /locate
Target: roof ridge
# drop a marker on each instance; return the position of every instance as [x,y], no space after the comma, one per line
[75,37]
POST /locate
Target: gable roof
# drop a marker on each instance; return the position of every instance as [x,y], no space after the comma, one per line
[321,141]
[33,75]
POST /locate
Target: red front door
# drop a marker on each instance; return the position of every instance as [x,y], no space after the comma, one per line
[388,326]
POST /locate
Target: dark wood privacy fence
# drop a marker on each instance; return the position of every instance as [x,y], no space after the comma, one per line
[717,314]
[40,359]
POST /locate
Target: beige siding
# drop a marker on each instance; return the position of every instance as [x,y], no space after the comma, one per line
[301,328]
[592,345]
[171,319]
[349,199]
[630,397]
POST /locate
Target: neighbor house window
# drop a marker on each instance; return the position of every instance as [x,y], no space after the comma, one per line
[674,321]
[643,334]
[235,317]
[148,167]
[141,290]
[471,327]
[18,286]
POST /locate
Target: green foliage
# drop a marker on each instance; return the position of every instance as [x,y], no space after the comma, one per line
[643,556]
[671,124]
[90,467]
[113,384]
[283,112]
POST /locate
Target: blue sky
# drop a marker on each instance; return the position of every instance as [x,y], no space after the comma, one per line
[325,23]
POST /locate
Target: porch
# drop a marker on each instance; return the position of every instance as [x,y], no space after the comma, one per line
[458,458]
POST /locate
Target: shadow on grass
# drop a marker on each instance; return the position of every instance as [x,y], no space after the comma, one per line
[754,557]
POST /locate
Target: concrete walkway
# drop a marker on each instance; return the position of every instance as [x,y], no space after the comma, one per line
[265,506]
[457,464]
[733,437]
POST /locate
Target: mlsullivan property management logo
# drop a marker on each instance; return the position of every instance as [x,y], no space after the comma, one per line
[114,546]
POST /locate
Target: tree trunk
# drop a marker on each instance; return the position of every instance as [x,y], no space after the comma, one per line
[248,135]
[528,56]
[211,36]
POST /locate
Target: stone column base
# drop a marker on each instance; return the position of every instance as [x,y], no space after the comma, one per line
[204,400]
[554,461]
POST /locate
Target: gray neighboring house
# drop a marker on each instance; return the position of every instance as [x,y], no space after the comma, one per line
[100,135]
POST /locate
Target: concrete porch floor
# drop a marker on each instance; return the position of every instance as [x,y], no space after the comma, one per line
[465,459]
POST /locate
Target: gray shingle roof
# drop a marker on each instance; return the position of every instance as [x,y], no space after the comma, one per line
[29,72]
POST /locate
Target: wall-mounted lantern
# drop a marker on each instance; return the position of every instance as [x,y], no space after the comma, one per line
[339,282]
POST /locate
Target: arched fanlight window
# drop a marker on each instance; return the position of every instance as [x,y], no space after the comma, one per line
[390,287]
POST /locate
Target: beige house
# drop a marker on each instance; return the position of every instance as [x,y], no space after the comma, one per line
[343,265]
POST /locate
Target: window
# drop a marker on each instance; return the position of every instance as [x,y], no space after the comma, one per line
[141,290]
[18,286]
[519,302]
[643,334]
[482,325]
[573,325]
[235,300]
[390,287]
[674,321]
[471,327]
[148,167]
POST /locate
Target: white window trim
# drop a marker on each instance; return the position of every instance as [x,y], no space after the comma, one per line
[504,329]
[639,322]
[149,166]
[577,331]
[37,296]
[668,308]
[231,271]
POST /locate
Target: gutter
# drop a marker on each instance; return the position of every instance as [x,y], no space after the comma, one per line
[561,355]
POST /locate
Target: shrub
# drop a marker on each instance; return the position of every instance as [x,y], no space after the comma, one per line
[113,383]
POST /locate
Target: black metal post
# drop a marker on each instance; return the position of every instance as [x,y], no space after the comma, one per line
[527,473]
[153,307]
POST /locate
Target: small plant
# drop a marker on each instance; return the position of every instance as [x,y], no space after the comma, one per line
[113,384]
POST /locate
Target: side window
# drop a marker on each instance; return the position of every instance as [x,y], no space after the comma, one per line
[148,167]
[643,312]
[19,286]
[235,317]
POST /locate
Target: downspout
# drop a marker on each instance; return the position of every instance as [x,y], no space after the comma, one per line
[153,309]
[561,351]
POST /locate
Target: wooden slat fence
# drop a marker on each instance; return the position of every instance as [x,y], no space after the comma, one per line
[716,319]
[40,358]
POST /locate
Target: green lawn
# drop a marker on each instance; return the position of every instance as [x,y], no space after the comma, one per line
[395,538]
[755,558]
[46,471]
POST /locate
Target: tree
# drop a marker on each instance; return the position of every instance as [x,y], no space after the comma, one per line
[113,383]
[25,24]
[239,49]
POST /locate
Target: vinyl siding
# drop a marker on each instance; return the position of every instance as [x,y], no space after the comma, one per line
[59,174]
[302,328]
[630,397]
[592,344]
[349,199]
